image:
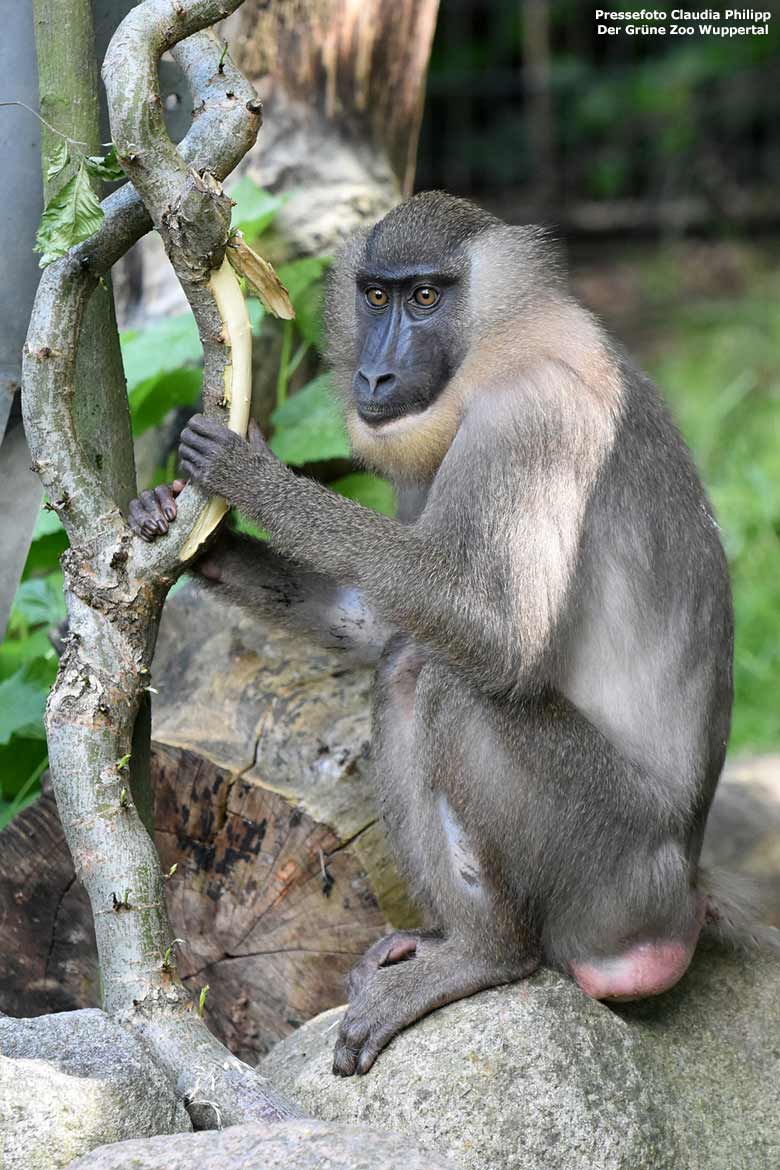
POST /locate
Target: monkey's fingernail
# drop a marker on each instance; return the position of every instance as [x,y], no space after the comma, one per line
[170,513]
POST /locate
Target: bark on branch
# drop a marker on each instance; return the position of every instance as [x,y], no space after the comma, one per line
[115,585]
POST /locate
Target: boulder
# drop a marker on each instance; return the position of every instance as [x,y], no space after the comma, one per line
[536,1076]
[290,1145]
[74,1081]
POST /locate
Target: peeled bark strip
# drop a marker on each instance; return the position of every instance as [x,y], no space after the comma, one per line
[115,586]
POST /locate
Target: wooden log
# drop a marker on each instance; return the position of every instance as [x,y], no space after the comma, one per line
[260,769]
[48,961]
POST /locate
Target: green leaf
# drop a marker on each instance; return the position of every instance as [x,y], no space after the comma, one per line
[105,166]
[58,159]
[298,275]
[46,523]
[22,702]
[368,490]
[308,313]
[241,524]
[45,553]
[20,761]
[48,544]
[39,602]
[73,215]
[159,348]
[151,400]
[16,651]
[255,208]
[308,426]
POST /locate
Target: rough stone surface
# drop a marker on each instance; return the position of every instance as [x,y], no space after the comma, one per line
[743,830]
[74,1081]
[292,1145]
[536,1076]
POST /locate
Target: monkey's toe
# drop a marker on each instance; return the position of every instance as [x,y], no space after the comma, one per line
[379,1012]
[362,1036]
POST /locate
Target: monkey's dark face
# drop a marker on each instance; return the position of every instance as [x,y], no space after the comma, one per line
[405,352]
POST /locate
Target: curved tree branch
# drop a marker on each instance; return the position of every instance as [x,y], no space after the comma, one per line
[115,587]
[192,214]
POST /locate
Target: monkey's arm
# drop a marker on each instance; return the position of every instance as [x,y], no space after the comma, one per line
[482,576]
[250,574]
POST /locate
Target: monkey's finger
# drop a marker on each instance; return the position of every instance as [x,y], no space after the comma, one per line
[371,1049]
[178,486]
[191,461]
[146,517]
[189,438]
[166,500]
[209,428]
[140,522]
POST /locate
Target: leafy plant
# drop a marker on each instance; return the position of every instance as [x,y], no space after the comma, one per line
[74,213]
[308,426]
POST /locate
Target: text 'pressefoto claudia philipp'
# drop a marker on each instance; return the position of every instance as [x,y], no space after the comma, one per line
[683,22]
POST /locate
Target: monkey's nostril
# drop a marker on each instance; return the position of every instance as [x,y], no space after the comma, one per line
[378,383]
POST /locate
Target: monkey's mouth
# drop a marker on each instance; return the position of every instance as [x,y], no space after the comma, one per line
[379,413]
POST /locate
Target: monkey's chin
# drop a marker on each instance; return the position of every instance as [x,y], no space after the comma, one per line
[390,424]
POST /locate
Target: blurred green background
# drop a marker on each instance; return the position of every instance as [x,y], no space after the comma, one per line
[656,163]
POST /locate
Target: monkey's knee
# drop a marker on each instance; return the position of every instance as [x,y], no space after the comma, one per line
[647,969]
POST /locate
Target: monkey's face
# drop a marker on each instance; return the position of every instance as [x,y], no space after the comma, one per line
[405,350]
[408,300]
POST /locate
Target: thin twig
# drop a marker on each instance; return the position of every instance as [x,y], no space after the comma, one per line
[48,125]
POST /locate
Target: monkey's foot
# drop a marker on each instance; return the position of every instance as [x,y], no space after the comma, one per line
[393,997]
[386,952]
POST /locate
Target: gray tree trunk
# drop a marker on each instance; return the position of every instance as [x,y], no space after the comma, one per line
[114,584]
[21,201]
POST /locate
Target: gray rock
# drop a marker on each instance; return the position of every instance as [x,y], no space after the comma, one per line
[73,1081]
[536,1076]
[291,1145]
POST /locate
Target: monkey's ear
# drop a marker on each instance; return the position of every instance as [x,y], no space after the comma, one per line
[538,251]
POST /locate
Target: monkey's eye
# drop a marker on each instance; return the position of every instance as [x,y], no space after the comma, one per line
[376,297]
[425,296]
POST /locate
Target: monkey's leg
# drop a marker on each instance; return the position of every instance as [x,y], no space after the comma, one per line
[479,944]
[442,971]
[610,845]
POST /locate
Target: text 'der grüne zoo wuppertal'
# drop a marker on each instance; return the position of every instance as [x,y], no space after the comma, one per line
[683,22]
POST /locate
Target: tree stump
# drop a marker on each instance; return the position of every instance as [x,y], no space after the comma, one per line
[263,804]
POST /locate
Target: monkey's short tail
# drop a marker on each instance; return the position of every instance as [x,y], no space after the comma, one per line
[733,912]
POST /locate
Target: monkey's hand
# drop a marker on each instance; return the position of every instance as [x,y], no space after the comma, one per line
[216,457]
[150,513]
